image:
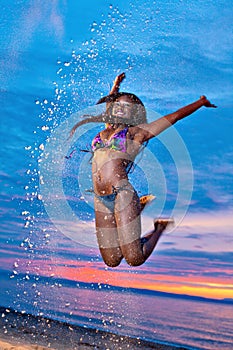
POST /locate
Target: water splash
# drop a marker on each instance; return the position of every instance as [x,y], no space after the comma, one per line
[79,84]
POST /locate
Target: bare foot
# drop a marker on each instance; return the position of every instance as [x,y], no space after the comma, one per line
[161,224]
[145,200]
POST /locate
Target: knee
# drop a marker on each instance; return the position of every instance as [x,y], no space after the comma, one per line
[111,259]
[111,262]
[134,260]
[133,253]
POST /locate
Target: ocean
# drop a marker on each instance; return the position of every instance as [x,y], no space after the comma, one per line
[170,320]
[58,58]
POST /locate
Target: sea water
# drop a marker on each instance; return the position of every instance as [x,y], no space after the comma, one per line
[176,60]
[191,323]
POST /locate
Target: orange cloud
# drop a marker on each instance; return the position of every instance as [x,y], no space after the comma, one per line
[158,279]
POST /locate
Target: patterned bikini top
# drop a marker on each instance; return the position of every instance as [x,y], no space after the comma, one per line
[117,141]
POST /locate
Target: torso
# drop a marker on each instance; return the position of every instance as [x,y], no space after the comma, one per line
[114,151]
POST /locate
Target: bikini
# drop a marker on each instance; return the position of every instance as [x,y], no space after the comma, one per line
[116,142]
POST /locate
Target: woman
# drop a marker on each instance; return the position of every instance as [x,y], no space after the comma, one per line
[117,205]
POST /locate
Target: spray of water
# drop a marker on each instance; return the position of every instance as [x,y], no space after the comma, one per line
[58,167]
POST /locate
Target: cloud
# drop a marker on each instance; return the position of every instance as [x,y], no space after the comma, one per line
[218,194]
[209,231]
[21,33]
[180,270]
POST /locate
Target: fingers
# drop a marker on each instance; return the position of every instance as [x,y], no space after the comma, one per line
[214,106]
[207,103]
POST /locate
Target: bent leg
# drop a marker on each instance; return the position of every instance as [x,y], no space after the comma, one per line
[107,235]
[150,240]
[137,252]
[135,249]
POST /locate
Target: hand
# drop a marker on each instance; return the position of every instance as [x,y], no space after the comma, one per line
[206,102]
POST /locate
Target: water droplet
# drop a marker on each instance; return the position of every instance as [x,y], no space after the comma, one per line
[27,223]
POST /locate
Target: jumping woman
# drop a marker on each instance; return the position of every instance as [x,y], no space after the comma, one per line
[117,204]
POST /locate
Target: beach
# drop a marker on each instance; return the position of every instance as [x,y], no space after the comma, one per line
[58,59]
[20,331]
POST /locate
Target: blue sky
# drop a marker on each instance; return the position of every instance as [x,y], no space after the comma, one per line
[67,54]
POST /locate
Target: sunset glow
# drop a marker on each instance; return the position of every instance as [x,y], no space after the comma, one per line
[157,279]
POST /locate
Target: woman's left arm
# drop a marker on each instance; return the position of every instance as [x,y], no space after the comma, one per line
[147,131]
[189,109]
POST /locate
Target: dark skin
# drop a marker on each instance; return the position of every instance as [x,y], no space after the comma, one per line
[119,229]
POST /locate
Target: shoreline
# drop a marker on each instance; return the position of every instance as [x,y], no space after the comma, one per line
[20,331]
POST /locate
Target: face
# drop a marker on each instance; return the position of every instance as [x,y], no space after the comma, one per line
[122,107]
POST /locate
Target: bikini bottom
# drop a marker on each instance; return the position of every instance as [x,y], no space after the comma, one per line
[109,199]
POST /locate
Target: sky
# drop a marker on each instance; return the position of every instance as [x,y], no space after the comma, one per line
[57,59]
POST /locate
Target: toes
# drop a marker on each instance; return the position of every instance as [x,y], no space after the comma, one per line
[164,222]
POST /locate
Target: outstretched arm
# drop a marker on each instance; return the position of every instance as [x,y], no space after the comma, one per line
[189,109]
[147,131]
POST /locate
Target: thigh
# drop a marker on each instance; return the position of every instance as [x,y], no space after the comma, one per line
[106,229]
[107,234]
[127,216]
[129,227]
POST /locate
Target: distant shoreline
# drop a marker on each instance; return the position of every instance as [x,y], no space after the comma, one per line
[156,293]
[108,287]
[25,331]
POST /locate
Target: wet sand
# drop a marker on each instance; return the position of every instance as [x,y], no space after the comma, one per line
[26,332]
